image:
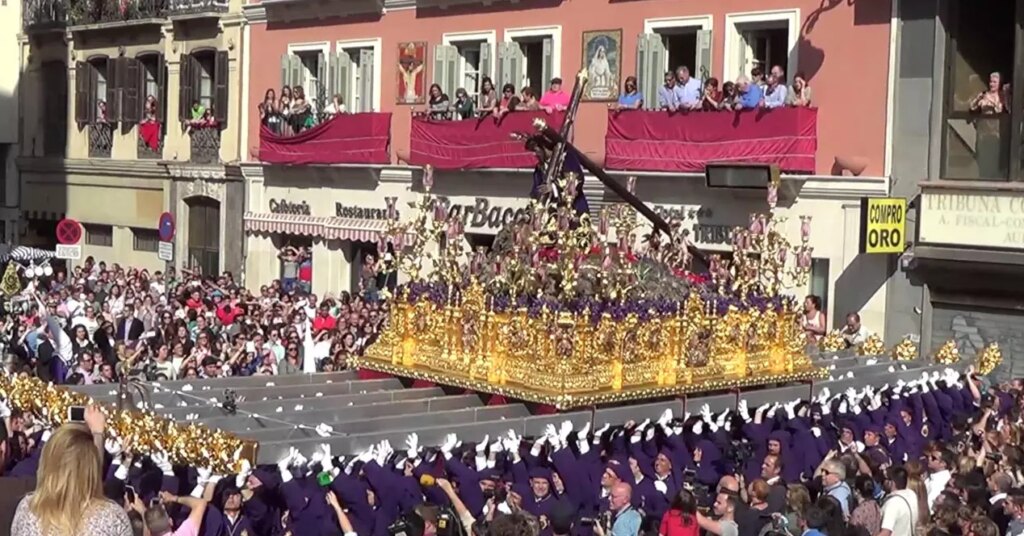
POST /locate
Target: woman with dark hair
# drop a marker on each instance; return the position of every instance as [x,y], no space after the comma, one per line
[813,320]
[833,513]
[488,98]
[867,514]
[631,98]
[681,517]
[439,105]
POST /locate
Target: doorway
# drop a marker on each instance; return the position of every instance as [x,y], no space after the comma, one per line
[204,235]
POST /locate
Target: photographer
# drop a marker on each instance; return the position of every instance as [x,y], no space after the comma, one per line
[159,522]
[725,508]
[624,520]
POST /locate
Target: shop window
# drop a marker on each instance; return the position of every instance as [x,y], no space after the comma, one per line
[819,281]
[976,138]
[99,235]
[145,240]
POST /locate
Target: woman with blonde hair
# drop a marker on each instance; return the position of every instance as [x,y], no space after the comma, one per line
[915,483]
[68,500]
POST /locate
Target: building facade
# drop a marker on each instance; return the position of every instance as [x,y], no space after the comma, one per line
[129,110]
[371,54]
[957,156]
[10,77]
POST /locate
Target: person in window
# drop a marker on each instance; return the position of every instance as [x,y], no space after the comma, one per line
[269,115]
[508,93]
[775,92]
[749,94]
[729,97]
[712,99]
[990,101]
[555,100]
[854,332]
[990,143]
[631,99]
[438,105]
[463,104]
[302,116]
[667,93]
[800,93]
[101,111]
[528,101]
[149,110]
[337,106]
[757,76]
[284,107]
[687,90]
[813,320]
[289,267]
[149,127]
[488,97]
[197,111]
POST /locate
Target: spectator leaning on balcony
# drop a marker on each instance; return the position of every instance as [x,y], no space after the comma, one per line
[729,97]
[667,93]
[463,105]
[712,99]
[554,99]
[337,106]
[528,101]
[631,99]
[438,105]
[800,93]
[775,92]
[854,332]
[687,90]
[750,94]
[488,97]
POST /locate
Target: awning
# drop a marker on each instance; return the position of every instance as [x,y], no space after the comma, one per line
[327,228]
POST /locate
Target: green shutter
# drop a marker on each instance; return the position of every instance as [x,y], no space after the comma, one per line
[446,68]
[321,98]
[702,65]
[286,60]
[486,62]
[547,67]
[341,78]
[366,80]
[651,66]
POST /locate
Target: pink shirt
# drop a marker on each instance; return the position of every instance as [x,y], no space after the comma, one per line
[555,99]
[188,528]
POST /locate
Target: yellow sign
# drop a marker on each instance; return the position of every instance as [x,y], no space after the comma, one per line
[883,225]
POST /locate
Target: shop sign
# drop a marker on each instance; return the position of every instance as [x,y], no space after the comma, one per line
[992,220]
[482,214]
[364,213]
[700,232]
[281,206]
[883,224]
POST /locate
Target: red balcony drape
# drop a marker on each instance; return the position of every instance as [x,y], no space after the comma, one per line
[346,139]
[685,141]
[483,143]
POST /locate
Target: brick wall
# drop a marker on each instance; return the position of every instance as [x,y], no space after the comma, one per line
[974,328]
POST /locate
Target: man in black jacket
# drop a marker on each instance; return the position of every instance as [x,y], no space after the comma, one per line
[129,329]
[45,355]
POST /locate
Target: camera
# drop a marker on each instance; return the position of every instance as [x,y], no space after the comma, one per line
[76,414]
[701,493]
[994,457]
[740,450]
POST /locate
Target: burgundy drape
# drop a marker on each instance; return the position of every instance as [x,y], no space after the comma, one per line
[686,141]
[346,139]
[149,131]
[476,143]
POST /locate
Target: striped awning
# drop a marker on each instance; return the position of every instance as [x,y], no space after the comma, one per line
[327,228]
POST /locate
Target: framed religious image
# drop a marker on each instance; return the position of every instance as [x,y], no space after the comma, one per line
[412,72]
[602,56]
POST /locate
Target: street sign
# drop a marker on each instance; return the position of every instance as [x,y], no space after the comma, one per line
[69,232]
[165,251]
[166,227]
[69,251]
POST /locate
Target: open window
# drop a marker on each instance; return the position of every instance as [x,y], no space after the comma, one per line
[91,91]
[463,61]
[529,58]
[203,89]
[306,66]
[668,44]
[762,39]
[362,76]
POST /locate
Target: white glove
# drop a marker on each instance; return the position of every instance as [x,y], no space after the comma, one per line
[851,394]
[790,410]
[481,447]
[551,434]
[649,434]
[316,457]
[698,427]
[824,396]
[856,409]
[496,447]
[5,409]
[599,433]
[383,451]
[661,487]
[705,413]
[243,474]
[299,460]
[564,431]
[826,408]
[816,431]
[113,447]
[581,435]
[324,430]
[162,461]
[665,417]
[412,445]
[368,454]
[744,409]
[843,406]
[327,460]
[772,410]
[285,463]
[448,445]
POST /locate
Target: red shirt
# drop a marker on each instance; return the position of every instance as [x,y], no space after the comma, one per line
[227,317]
[674,524]
[321,323]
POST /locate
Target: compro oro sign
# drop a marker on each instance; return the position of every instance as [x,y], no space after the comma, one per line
[883,225]
[971,218]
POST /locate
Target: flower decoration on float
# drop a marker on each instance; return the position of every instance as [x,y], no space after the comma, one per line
[948,353]
[833,341]
[989,359]
[872,346]
[141,432]
[906,350]
[569,309]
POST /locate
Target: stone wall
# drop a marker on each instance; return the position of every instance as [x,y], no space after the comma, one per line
[974,328]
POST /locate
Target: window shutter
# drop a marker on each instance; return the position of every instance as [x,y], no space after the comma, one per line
[161,87]
[185,86]
[82,104]
[321,99]
[643,72]
[517,66]
[650,61]
[486,62]
[341,78]
[547,68]
[702,65]
[220,81]
[296,72]
[445,68]
[131,104]
[286,72]
[114,84]
[366,80]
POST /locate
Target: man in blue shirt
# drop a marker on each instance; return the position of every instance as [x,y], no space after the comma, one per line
[775,93]
[625,520]
[687,90]
[750,94]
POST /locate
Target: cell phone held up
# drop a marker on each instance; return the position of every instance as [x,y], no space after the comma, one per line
[76,414]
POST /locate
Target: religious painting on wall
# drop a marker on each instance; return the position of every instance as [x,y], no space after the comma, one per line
[602,56]
[412,73]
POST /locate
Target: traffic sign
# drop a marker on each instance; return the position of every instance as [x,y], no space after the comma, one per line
[69,232]
[165,251]
[69,251]
[166,227]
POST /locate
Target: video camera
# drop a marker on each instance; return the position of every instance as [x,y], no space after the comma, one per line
[740,450]
[701,493]
[413,524]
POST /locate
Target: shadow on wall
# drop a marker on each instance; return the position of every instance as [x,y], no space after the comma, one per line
[865,12]
[858,283]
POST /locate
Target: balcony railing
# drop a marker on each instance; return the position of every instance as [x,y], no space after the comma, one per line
[84,12]
[147,152]
[101,140]
[192,7]
[44,14]
[205,142]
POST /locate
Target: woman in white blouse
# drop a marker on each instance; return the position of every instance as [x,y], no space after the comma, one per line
[813,320]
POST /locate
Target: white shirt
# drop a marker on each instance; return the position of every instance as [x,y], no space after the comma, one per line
[996,498]
[858,337]
[936,484]
[899,512]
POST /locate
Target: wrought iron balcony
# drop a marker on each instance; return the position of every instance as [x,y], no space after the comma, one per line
[147,152]
[101,140]
[40,15]
[196,7]
[86,12]
[205,143]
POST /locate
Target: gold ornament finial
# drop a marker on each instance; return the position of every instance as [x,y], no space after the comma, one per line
[873,345]
[948,354]
[833,341]
[906,350]
[990,358]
